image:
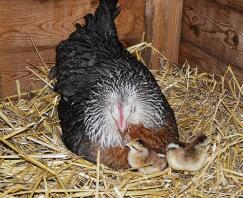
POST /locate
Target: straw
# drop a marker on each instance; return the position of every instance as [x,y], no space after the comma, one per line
[35,163]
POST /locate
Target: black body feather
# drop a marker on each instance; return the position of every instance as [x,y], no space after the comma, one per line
[92,63]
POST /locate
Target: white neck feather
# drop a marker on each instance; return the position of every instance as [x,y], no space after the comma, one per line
[101,126]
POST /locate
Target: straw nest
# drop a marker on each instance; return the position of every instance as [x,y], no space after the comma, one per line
[35,163]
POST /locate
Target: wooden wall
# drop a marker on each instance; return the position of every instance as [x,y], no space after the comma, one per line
[49,22]
[212,35]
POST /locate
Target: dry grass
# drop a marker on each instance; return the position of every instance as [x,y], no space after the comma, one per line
[34,162]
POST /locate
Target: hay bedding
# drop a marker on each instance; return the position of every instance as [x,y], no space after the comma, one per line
[35,163]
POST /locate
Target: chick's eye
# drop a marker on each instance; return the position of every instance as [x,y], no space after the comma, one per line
[134,147]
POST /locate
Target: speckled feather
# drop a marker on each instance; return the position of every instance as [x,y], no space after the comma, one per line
[92,66]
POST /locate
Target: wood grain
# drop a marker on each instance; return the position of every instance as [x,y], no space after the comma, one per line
[163,29]
[49,22]
[212,35]
[204,61]
[236,5]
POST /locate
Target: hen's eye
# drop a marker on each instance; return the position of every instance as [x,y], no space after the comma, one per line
[110,108]
[134,109]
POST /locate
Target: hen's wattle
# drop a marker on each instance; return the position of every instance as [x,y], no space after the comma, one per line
[103,88]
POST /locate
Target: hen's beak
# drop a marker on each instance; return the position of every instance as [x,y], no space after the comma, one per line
[122,127]
[121,119]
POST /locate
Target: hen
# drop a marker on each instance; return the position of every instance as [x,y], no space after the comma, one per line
[103,88]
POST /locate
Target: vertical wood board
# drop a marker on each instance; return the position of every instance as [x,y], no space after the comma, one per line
[163,29]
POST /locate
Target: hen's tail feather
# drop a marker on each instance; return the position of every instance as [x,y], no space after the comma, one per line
[102,21]
[52,73]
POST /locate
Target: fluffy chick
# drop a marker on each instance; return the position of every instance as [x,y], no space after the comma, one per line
[188,157]
[143,159]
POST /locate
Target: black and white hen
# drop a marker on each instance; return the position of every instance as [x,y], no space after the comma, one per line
[103,87]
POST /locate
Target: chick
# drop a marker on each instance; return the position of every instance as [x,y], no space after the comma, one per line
[153,139]
[188,157]
[143,159]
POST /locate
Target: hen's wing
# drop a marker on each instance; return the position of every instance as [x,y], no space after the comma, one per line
[116,158]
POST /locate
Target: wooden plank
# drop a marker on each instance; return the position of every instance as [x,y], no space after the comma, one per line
[204,61]
[13,67]
[212,35]
[130,22]
[236,5]
[49,22]
[163,29]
